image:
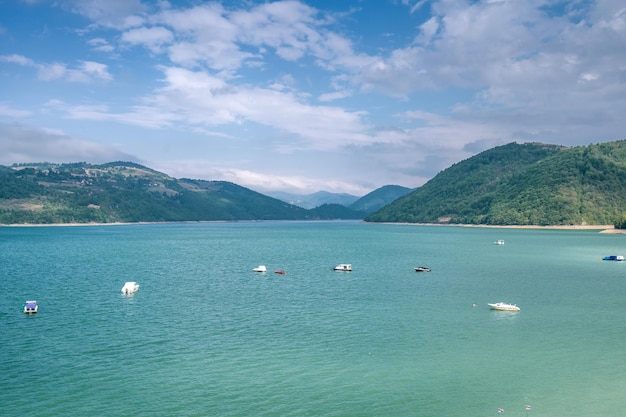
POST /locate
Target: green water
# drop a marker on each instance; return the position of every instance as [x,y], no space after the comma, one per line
[206,336]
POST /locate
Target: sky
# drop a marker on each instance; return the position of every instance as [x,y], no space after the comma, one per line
[301,96]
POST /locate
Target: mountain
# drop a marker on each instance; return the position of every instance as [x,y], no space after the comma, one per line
[522,184]
[379,198]
[127,192]
[337,211]
[309,201]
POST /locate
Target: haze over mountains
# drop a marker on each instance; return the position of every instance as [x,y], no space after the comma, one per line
[309,201]
[368,203]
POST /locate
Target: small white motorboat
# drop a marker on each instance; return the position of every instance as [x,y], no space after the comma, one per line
[499,242]
[503,307]
[260,268]
[30,307]
[130,287]
[422,269]
[343,267]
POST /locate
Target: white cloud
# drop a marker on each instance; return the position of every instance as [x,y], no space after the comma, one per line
[335,95]
[6,111]
[95,70]
[109,13]
[53,71]
[100,44]
[20,143]
[260,181]
[152,38]
[196,98]
[86,72]
[17,59]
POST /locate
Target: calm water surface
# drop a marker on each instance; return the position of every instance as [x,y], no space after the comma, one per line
[206,336]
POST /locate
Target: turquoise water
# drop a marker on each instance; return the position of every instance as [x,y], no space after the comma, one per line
[206,336]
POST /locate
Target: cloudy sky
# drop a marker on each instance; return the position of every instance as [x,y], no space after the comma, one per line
[302,96]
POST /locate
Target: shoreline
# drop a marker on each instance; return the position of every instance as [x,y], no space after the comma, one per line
[603,228]
[609,229]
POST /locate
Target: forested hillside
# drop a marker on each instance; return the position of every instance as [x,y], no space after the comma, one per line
[128,192]
[379,198]
[522,184]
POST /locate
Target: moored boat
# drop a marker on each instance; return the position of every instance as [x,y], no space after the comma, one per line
[30,307]
[343,267]
[130,287]
[613,258]
[503,307]
[260,268]
[499,242]
[422,269]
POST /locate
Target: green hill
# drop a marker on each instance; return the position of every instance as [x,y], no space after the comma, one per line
[127,192]
[522,184]
[337,211]
[379,198]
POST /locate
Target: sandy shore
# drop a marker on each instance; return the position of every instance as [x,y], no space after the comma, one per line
[68,224]
[602,228]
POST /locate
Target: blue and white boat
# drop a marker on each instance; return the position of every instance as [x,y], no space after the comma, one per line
[30,307]
[613,258]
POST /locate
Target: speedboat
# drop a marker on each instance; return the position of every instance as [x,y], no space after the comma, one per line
[504,307]
[130,287]
[613,258]
[280,272]
[422,269]
[343,267]
[30,307]
[260,268]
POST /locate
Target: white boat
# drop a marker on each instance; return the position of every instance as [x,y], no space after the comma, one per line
[343,267]
[422,269]
[130,287]
[260,268]
[499,242]
[504,307]
[30,307]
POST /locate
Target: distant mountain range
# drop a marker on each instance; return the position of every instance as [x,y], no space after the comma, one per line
[44,193]
[309,201]
[522,184]
[369,203]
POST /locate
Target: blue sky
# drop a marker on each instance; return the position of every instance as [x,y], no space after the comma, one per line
[302,96]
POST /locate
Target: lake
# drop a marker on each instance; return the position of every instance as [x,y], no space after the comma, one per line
[207,336]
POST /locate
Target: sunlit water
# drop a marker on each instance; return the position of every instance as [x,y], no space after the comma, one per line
[206,336]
